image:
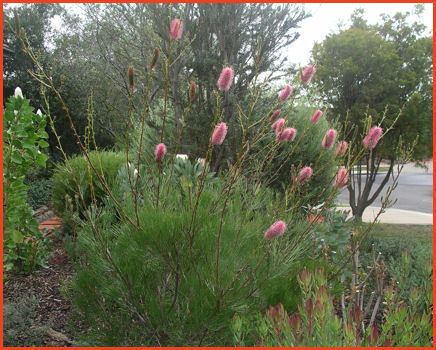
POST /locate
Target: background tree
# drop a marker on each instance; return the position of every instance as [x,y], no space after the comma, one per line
[380,70]
[90,56]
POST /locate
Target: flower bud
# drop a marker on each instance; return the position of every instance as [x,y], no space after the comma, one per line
[316,115]
[130,76]
[176,29]
[219,134]
[341,179]
[154,59]
[276,229]
[160,151]
[341,148]
[225,79]
[305,174]
[308,73]
[192,90]
[285,92]
[373,137]
[329,139]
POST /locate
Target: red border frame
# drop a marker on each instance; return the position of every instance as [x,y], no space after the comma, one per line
[212,1]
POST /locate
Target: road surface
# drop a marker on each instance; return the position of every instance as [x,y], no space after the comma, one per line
[414,192]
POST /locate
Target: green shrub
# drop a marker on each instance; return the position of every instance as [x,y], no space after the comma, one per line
[24,137]
[75,184]
[40,186]
[305,150]
[39,193]
[159,283]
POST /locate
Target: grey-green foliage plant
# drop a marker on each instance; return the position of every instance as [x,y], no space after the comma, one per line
[316,322]
[24,138]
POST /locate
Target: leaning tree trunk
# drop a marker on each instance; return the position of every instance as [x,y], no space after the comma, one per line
[360,191]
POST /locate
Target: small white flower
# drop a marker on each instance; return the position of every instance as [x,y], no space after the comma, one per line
[182,156]
[135,172]
[38,112]
[15,112]
[201,161]
[18,93]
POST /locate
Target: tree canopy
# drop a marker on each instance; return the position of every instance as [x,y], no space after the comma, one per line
[368,68]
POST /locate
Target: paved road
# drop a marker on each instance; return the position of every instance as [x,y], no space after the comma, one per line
[414,192]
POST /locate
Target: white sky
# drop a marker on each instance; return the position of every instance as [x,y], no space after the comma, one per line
[325,19]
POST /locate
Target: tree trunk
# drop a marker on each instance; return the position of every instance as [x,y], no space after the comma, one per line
[364,198]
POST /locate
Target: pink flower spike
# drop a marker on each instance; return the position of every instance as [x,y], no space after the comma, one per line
[278,125]
[275,115]
[276,229]
[329,139]
[308,73]
[226,79]
[285,92]
[219,134]
[373,137]
[160,151]
[315,117]
[341,177]
[176,29]
[341,148]
[305,174]
[287,134]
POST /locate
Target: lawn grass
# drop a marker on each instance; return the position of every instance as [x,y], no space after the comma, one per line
[406,232]
[394,240]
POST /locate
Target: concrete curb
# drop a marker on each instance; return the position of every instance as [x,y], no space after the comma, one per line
[394,216]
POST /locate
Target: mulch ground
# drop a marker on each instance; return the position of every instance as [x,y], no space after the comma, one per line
[53,310]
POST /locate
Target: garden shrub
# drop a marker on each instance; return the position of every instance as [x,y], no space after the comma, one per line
[39,193]
[305,150]
[75,184]
[24,135]
[163,281]
[316,322]
[40,187]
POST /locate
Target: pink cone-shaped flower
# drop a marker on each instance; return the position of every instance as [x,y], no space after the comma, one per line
[341,148]
[315,116]
[305,174]
[308,73]
[285,92]
[373,137]
[160,151]
[226,79]
[278,125]
[219,134]
[275,115]
[287,134]
[276,229]
[341,177]
[176,29]
[329,139]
